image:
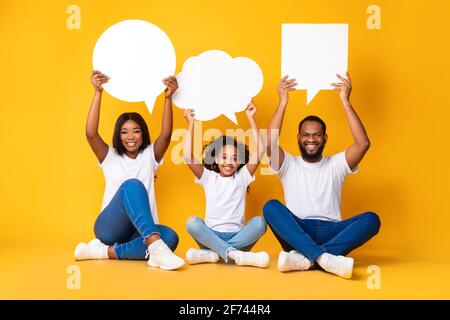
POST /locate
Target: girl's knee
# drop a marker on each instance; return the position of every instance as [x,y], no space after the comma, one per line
[193,224]
[259,223]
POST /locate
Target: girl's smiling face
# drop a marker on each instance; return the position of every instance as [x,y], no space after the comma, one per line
[227,160]
[131,137]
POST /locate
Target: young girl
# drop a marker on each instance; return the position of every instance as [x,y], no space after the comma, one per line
[226,172]
[127,225]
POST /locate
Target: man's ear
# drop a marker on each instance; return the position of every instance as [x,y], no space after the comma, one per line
[325,138]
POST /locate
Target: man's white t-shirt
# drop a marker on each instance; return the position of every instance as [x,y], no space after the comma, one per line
[313,190]
[117,169]
[225,199]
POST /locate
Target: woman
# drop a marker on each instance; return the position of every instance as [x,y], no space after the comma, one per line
[127,225]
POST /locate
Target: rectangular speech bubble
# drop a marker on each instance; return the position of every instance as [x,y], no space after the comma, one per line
[313,54]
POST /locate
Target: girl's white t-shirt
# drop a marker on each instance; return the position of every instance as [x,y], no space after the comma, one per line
[225,199]
[117,169]
[313,190]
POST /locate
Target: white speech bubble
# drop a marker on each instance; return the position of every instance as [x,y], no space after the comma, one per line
[214,83]
[313,54]
[137,56]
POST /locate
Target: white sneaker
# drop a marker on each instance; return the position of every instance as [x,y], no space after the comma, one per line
[293,260]
[161,256]
[194,256]
[339,265]
[94,250]
[256,259]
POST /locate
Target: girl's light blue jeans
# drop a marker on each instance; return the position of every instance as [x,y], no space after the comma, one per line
[222,242]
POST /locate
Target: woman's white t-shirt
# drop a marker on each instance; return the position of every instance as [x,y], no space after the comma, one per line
[117,169]
[313,190]
[225,199]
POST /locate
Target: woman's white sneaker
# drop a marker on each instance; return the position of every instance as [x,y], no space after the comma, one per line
[194,256]
[292,261]
[94,250]
[247,258]
[160,256]
[339,265]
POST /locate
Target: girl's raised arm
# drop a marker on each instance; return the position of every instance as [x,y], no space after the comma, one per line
[96,142]
[189,158]
[255,156]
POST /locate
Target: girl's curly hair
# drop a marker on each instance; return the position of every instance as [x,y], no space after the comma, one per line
[211,150]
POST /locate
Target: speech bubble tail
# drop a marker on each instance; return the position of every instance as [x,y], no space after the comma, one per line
[310,94]
[232,117]
[150,103]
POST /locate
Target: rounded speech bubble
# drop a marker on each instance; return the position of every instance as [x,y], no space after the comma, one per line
[136,55]
[213,83]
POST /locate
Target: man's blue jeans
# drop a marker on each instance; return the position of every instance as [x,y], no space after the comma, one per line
[222,242]
[312,237]
[127,221]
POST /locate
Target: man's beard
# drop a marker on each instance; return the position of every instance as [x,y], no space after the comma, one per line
[314,157]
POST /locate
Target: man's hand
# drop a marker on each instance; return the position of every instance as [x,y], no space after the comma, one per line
[171,84]
[284,86]
[344,87]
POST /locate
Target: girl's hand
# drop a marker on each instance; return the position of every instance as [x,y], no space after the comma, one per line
[98,79]
[251,110]
[284,86]
[189,114]
[344,87]
[171,84]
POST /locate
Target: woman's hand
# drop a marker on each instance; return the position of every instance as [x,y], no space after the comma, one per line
[284,86]
[171,84]
[344,87]
[98,79]
[189,115]
[251,110]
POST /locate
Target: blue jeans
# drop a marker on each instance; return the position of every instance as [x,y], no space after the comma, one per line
[127,221]
[222,242]
[312,237]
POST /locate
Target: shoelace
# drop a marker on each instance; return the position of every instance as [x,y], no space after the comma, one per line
[147,254]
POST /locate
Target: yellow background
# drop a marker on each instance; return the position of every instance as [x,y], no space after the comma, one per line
[51,187]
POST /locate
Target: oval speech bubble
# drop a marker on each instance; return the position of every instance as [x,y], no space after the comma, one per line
[214,83]
[136,55]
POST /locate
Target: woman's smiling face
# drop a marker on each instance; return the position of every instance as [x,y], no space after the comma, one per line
[131,137]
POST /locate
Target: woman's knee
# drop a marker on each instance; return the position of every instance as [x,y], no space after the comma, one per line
[132,184]
[271,208]
[169,236]
[193,224]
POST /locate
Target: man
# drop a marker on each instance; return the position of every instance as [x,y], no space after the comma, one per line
[309,227]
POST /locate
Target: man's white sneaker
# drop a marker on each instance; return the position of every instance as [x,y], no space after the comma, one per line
[339,265]
[293,260]
[160,256]
[247,258]
[94,250]
[194,256]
